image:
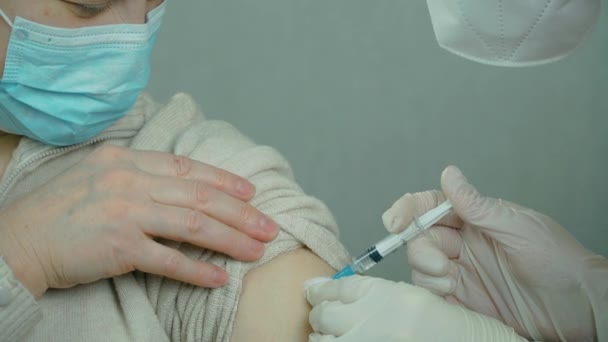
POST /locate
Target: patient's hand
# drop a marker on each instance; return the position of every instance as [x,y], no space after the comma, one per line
[272,305]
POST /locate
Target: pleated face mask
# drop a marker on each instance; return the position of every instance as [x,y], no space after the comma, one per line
[65,86]
[512,32]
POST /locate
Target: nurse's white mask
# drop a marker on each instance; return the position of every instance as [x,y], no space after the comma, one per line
[512,32]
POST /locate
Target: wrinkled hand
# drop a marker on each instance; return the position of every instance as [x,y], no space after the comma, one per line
[99,220]
[362,309]
[501,260]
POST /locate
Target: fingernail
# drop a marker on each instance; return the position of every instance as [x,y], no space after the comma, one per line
[454,176]
[244,188]
[387,220]
[268,226]
[392,222]
[256,247]
[396,223]
[219,276]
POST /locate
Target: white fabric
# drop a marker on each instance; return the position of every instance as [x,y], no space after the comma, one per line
[512,32]
[363,309]
[145,307]
[507,262]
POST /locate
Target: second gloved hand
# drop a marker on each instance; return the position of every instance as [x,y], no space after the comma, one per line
[507,262]
[363,309]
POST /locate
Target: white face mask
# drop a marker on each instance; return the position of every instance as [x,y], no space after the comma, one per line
[512,32]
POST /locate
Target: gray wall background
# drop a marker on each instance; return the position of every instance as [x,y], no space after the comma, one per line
[364,104]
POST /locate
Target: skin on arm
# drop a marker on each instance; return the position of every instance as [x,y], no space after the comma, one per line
[272,305]
[8,143]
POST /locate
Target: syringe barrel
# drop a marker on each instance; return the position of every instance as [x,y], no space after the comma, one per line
[376,253]
[391,243]
[366,260]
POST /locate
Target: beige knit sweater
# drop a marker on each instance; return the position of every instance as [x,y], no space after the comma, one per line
[142,307]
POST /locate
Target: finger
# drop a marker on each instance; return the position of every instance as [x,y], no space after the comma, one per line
[315,281]
[430,253]
[331,318]
[187,225]
[161,260]
[442,286]
[427,258]
[345,290]
[453,300]
[402,212]
[166,164]
[447,239]
[493,215]
[315,337]
[206,199]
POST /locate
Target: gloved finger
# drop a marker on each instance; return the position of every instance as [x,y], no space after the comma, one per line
[401,214]
[489,213]
[430,253]
[315,281]
[345,290]
[447,239]
[312,283]
[442,286]
[332,318]
[314,337]
[453,300]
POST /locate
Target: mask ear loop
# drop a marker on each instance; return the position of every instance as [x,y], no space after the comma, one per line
[5,17]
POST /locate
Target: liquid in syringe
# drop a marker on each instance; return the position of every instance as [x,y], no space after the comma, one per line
[391,243]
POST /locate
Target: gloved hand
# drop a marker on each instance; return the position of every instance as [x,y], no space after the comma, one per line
[363,309]
[507,262]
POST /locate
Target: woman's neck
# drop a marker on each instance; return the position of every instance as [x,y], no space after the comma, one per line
[8,143]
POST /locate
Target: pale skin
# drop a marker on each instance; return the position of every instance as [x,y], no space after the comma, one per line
[214,215]
[167,196]
[272,305]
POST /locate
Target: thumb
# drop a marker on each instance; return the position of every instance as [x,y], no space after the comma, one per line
[316,337]
[344,290]
[489,213]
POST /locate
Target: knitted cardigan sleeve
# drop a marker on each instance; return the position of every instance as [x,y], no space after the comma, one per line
[189,313]
[19,311]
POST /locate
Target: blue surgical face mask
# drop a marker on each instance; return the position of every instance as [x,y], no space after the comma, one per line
[64,86]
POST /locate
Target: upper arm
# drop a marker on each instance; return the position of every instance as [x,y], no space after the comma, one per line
[272,305]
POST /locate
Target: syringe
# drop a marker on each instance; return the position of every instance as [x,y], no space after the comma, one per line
[391,243]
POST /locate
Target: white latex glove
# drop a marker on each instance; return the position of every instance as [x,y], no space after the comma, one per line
[364,309]
[507,262]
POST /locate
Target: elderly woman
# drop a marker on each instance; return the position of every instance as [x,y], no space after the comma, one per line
[126,220]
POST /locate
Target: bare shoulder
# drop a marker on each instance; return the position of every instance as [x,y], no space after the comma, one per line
[272,305]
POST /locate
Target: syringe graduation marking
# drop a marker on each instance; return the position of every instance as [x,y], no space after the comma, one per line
[389,244]
[374,254]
